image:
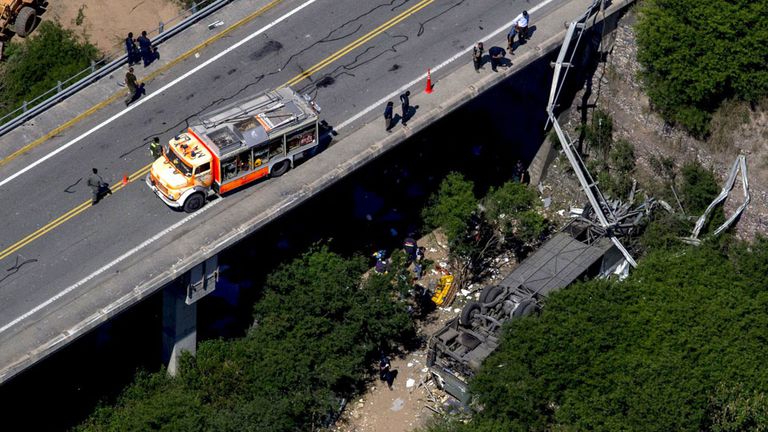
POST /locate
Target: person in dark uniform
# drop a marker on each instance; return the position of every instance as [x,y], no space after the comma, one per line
[131,50]
[410,247]
[155,149]
[496,53]
[388,115]
[406,105]
[145,46]
[98,187]
[477,56]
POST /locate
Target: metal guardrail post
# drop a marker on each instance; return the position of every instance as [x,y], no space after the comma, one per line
[160,27]
[194,7]
[24,106]
[58,87]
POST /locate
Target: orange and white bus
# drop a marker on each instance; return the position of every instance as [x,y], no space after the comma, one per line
[233,146]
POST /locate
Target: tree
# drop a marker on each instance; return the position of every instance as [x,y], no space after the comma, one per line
[317,331]
[696,54]
[451,207]
[35,66]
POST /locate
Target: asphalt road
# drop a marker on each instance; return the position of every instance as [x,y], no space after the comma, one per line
[365,49]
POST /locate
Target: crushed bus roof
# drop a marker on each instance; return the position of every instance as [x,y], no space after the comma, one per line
[254,121]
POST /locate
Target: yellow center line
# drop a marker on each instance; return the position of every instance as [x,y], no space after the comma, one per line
[65,217]
[357,43]
[144,170]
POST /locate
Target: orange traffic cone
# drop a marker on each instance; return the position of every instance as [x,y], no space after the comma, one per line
[428,90]
[125,180]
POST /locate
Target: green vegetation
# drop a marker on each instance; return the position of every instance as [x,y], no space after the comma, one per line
[612,163]
[478,230]
[697,54]
[36,65]
[679,345]
[317,331]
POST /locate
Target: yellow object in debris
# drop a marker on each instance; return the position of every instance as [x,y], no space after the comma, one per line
[442,289]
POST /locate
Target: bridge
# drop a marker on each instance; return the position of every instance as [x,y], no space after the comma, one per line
[70,266]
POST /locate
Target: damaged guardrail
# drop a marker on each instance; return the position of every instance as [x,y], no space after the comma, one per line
[739,165]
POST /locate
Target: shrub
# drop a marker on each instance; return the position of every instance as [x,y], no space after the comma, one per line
[35,66]
[696,54]
[451,207]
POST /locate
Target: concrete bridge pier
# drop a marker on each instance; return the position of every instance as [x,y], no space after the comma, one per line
[180,310]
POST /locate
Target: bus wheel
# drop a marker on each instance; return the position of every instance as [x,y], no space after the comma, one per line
[280,168]
[194,202]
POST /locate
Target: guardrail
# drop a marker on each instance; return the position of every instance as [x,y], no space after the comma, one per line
[106,65]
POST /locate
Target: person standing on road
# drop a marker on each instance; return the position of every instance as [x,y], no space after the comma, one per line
[145,46]
[406,105]
[388,116]
[98,187]
[134,89]
[155,150]
[131,50]
[477,56]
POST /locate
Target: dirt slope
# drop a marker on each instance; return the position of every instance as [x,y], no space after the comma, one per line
[107,22]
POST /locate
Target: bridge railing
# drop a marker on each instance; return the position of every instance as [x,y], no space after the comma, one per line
[107,64]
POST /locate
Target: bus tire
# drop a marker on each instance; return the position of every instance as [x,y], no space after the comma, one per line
[490,294]
[525,308]
[468,313]
[194,202]
[281,168]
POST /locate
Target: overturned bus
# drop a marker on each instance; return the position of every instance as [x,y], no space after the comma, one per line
[457,350]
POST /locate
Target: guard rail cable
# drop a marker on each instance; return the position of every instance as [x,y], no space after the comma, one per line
[588,184]
[23,113]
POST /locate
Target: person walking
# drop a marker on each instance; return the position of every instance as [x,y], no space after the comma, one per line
[155,149]
[134,89]
[477,56]
[406,105]
[145,46]
[388,116]
[131,50]
[98,187]
[520,28]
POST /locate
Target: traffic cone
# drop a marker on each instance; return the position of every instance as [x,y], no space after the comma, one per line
[125,180]
[428,90]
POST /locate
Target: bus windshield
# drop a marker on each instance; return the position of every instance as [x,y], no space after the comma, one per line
[178,163]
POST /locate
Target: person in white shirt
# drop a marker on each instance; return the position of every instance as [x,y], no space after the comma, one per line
[519,28]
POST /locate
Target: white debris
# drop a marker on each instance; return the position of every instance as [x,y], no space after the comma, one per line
[432,250]
[561,212]
[425,370]
[457,310]
[397,404]
[466,293]
[410,382]
[409,364]
[576,211]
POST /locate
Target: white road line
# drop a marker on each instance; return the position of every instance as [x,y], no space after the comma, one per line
[110,265]
[211,204]
[156,92]
[423,76]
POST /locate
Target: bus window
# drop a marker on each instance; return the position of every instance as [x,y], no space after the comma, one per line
[236,165]
[276,148]
[202,169]
[260,156]
[301,138]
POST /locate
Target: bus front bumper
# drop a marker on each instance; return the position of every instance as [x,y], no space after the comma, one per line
[166,200]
